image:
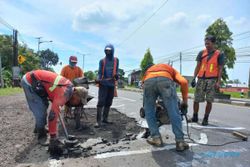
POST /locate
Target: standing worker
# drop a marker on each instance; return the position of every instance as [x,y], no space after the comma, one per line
[159,80]
[39,87]
[209,68]
[107,77]
[72,71]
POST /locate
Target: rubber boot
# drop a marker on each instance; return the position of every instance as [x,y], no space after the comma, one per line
[105,115]
[98,117]
[42,136]
[205,120]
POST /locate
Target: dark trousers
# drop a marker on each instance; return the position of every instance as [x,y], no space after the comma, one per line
[105,96]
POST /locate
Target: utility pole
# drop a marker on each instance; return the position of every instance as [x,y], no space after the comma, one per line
[1,72]
[15,68]
[180,63]
[83,58]
[249,84]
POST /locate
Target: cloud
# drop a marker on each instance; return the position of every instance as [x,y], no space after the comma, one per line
[239,22]
[204,20]
[179,19]
[101,16]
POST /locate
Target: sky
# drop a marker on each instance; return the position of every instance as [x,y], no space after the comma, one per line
[167,27]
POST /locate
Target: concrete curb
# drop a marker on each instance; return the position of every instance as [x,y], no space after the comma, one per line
[232,102]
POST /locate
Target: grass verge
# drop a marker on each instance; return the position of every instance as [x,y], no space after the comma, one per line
[10,91]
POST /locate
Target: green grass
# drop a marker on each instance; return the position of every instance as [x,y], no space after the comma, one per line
[235,94]
[10,91]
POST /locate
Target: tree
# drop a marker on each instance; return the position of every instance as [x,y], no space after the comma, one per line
[48,58]
[6,51]
[121,73]
[32,61]
[90,75]
[224,39]
[146,61]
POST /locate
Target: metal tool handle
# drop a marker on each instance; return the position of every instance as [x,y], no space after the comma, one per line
[63,125]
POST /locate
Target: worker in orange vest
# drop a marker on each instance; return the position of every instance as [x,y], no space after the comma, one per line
[159,80]
[209,68]
[41,86]
[71,71]
[107,77]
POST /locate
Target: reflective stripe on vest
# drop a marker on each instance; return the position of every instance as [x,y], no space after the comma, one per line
[104,64]
[209,68]
[55,84]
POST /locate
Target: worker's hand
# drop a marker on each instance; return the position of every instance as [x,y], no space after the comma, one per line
[97,81]
[193,83]
[116,77]
[217,85]
[184,108]
[55,147]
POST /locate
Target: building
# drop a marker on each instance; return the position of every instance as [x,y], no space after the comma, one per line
[134,77]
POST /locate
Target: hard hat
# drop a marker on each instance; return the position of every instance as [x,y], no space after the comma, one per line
[73,59]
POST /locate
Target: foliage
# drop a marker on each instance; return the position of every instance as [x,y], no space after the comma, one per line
[90,75]
[32,61]
[6,51]
[48,58]
[224,39]
[121,73]
[7,78]
[146,61]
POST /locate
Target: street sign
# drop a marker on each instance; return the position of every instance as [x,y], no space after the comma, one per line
[21,59]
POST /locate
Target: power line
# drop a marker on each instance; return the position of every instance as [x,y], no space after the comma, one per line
[138,28]
[6,24]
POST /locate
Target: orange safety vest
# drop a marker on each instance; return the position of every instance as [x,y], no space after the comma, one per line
[209,67]
[104,64]
[159,70]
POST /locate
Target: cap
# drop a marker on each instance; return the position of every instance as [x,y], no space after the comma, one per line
[73,59]
[108,48]
[82,93]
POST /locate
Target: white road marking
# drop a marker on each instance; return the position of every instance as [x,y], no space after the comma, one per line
[55,163]
[194,125]
[124,98]
[203,140]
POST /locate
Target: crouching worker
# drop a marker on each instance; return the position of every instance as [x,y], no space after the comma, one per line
[159,80]
[41,86]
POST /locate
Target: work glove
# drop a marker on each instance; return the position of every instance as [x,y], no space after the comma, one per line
[97,81]
[55,147]
[184,108]
[193,83]
[116,77]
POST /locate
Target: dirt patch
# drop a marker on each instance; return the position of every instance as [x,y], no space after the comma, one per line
[16,125]
[108,138]
[18,144]
[121,126]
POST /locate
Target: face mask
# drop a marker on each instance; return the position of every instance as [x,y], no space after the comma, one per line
[71,64]
[109,54]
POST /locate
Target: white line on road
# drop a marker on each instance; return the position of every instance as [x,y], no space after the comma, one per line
[124,98]
[194,125]
[55,163]
[153,149]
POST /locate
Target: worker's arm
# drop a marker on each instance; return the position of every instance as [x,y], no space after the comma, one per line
[183,84]
[197,68]
[220,69]
[63,72]
[81,74]
[54,112]
[100,70]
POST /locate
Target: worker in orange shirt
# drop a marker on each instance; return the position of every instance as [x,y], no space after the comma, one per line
[41,86]
[159,80]
[72,71]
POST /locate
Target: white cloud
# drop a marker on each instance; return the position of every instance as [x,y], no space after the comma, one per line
[109,15]
[239,22]
[204,20]
[179,19]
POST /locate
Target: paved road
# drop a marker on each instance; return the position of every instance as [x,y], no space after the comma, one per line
[224,119]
